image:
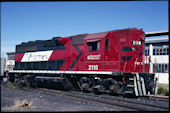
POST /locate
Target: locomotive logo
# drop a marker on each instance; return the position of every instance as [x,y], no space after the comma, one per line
[36,56]
[93,57]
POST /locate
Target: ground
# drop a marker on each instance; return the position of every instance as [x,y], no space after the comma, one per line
[13,100]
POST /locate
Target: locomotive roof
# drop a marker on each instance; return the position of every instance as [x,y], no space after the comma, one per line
[91,36]
[96,36]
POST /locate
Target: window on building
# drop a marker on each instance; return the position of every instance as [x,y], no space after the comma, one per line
[168,51]
[157,51]
[153,51]
[161,68]
[164,51]
[94,46]
[166,68]
[161,50]
[147,52]
[107,44]
[11,57]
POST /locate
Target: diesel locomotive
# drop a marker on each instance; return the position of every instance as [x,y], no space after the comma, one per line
[107,62]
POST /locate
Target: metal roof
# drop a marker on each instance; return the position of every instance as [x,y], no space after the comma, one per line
[156,33]
[10,53]
[157,40]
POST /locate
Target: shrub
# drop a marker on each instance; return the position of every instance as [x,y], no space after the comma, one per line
[163,91]
[13,85]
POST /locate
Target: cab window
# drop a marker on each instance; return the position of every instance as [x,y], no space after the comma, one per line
[94,46]
[107,44]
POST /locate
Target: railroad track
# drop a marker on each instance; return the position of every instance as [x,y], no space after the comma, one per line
[105,99]
[159,98]
[149,105]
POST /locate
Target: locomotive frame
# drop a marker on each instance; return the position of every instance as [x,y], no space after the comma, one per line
[111,62]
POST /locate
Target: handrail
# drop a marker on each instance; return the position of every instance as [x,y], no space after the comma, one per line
[124,66]
[124,72]
[135,64]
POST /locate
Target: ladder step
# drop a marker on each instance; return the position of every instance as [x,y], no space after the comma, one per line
[129,85]
[131,79]
[129,92]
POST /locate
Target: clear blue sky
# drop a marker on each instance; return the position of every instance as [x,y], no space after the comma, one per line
[28,21]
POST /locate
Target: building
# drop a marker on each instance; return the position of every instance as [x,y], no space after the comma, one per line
[2,66]
[158,50]
[10,61]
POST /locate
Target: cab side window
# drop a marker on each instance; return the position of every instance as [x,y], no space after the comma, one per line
[94,46]
[107,44]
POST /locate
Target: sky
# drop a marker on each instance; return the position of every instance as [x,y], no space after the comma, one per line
[29,21]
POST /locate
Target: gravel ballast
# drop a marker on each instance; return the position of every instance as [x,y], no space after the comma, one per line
[22,100]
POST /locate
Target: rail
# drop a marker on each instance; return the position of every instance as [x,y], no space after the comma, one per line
[108,100]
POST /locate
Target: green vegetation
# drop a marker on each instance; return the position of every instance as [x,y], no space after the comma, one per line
[163,89]
[13,85]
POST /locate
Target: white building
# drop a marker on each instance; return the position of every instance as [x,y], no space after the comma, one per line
[2,66]
[158,49]
[10,61]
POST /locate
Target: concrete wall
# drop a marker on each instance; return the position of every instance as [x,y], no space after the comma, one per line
[163,78]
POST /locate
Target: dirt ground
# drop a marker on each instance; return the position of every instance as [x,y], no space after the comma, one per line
[20,100]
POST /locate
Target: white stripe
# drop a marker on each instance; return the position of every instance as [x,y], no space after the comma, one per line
[58,72]
[36,56]
[143,87]
[139,85]
[135,87]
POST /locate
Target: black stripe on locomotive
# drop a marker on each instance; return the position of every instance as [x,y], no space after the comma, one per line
[41,65]
[40,45]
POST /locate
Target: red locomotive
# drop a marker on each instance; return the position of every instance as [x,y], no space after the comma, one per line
[110,61]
